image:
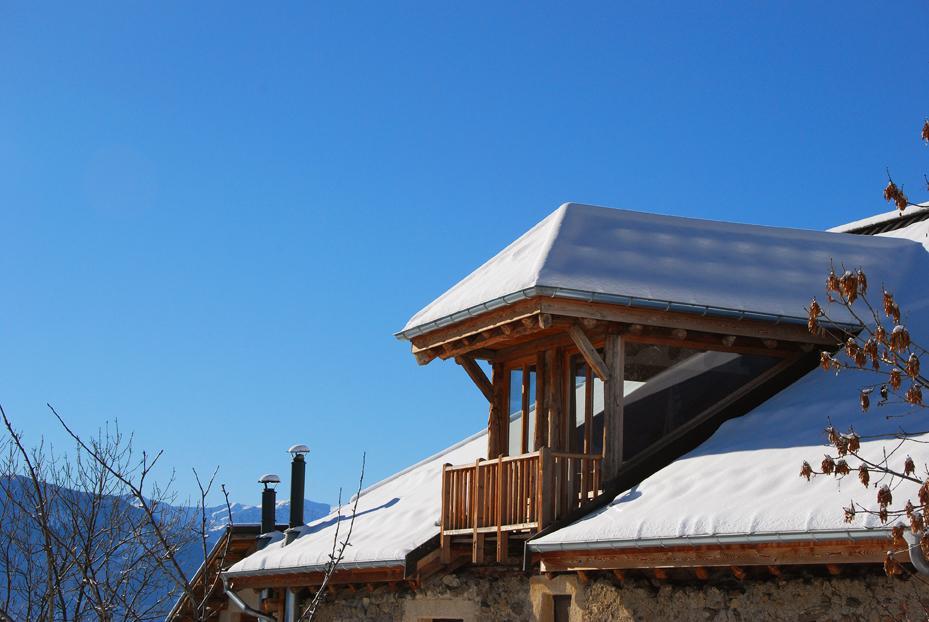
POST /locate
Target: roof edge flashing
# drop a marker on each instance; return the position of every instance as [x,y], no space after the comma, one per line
[719,539]
[542,291]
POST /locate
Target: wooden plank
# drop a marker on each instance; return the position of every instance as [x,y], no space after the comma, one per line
[445,543]
[477,375]
[500,505]
[306,579]
[525,351]
[477,550]
[503,546]
[476,324]
[769,555]
[588,351]
[613,436]
[672,319]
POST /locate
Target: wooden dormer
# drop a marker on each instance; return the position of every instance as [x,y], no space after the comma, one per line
[608,334]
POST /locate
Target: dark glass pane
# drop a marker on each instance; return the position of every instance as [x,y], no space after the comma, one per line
[668,386]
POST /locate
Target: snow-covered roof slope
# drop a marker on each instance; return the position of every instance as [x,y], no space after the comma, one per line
[917,232]
[742,484]
[878,219]
[394,517]
[624,257]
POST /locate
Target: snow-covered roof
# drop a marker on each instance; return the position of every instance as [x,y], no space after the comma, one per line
[878,219]
[633,258]
[394,517]
[742,484]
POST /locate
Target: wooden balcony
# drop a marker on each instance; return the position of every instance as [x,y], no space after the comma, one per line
[513,495]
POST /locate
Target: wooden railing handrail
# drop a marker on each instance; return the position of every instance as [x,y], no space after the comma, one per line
[514,493]
[492,461]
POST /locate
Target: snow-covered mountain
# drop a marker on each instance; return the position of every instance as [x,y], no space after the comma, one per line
[21,540]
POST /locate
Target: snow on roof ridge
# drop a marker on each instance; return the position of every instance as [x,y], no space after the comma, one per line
[879,218]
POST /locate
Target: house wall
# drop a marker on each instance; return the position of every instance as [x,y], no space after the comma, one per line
[472,596]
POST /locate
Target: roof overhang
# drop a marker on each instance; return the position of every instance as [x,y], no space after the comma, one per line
[796,548]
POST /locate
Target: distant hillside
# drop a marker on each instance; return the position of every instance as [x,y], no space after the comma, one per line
[20,526]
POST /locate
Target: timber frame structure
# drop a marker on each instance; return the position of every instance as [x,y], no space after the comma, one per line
[555,476]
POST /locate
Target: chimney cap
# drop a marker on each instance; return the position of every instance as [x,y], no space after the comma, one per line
[269,478]
[298,450]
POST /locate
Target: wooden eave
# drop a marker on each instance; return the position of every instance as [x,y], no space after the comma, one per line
[520,328]
[818,552]
[345,576]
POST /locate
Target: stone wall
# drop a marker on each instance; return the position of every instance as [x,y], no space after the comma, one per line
[473,596]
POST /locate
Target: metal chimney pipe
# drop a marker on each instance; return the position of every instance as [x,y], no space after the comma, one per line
[297,483]
[268,507]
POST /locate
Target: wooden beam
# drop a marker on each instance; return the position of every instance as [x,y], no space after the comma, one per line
[738,572]
[765,554]
[588,351]
[701,573]
[477,555]
[688,321]
[613,423]
[541,406]
[620,575]
[503,544]
[307,579]
[834,569]
[477,375]
[582,577]
[498,422]
[661,574]
[775,571]
[554,398]
[527,309]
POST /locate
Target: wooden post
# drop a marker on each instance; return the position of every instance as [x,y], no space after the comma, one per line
[541,408]
[554,389]
[498,424]
[546,499]
[501,504]
[477,497]
[524,440]
[445,541]
[615,351]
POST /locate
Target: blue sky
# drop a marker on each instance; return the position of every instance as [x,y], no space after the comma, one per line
[215,216]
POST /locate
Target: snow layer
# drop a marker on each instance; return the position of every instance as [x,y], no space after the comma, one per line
[917,232]
[394,517]
[747,268]
[878,219]
[744,479]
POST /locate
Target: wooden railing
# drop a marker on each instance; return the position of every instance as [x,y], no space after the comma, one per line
[516,493]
